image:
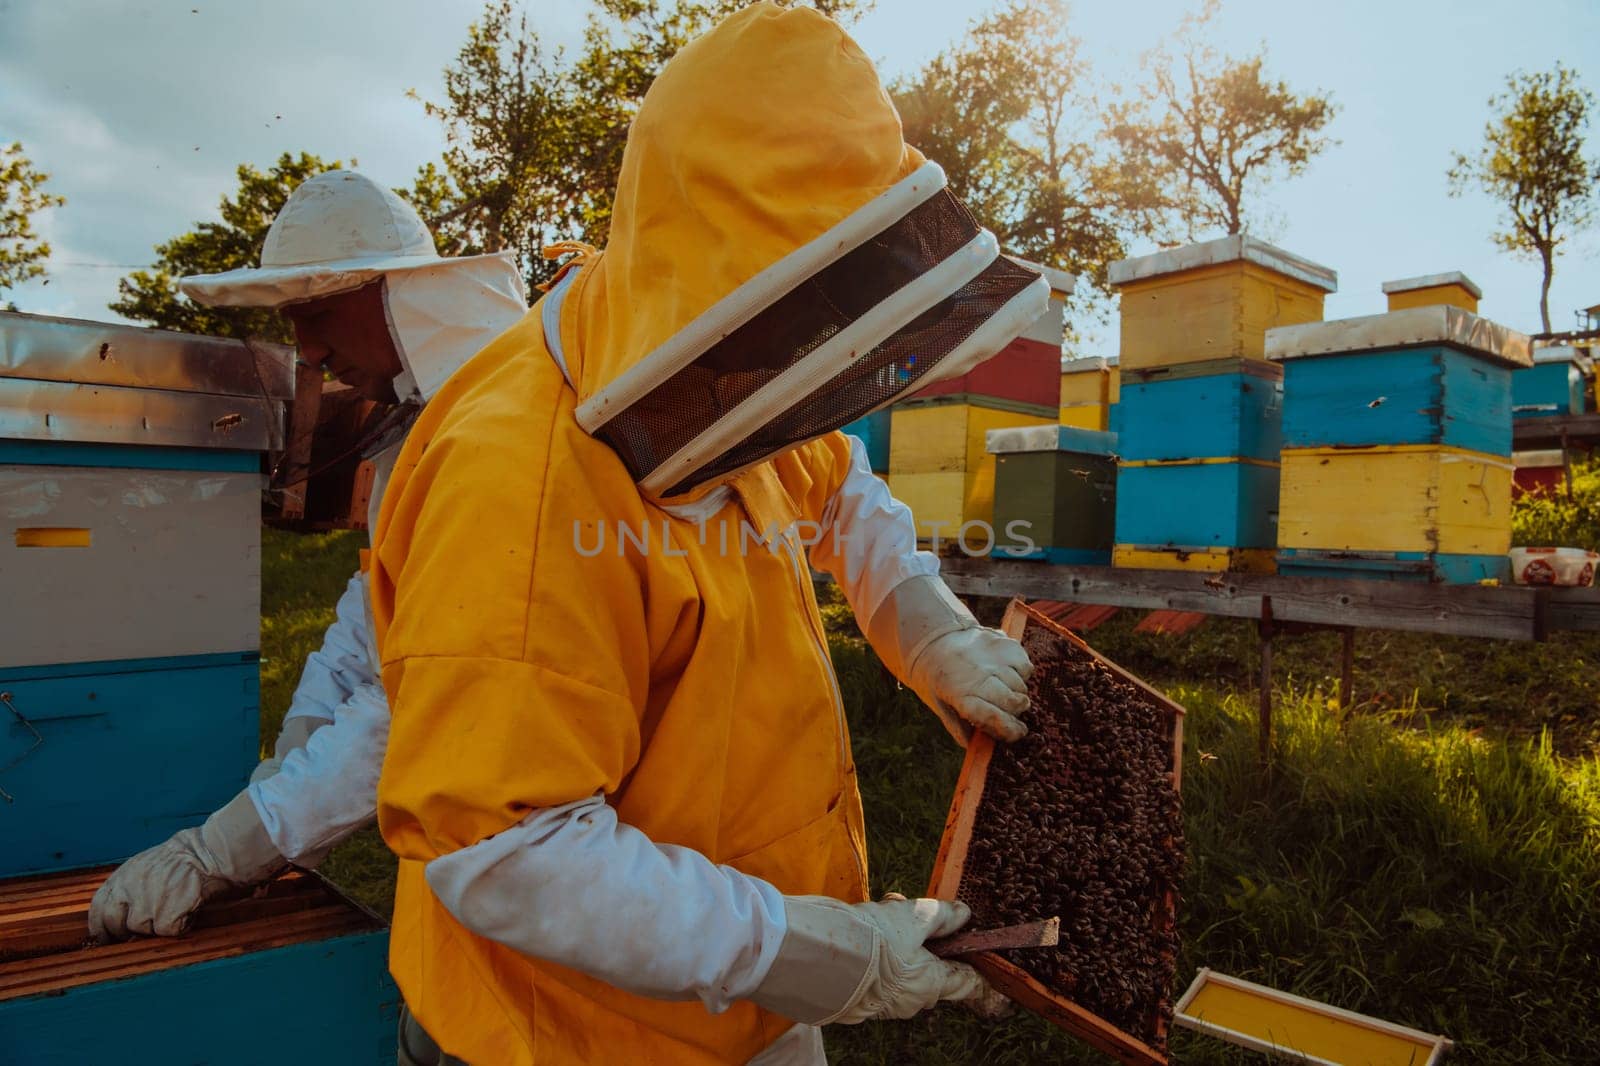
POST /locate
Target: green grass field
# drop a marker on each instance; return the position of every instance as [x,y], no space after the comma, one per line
[1436,862]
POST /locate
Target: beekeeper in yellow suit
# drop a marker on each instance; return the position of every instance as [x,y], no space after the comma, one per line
[618,777]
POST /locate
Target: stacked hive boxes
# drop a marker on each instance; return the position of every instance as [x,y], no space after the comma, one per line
[1198,421]
[1054,494]
[1397,445]
[1553,386]
[130,487]
[938,463]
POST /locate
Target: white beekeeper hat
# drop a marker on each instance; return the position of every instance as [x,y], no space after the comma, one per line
[341,230]
[337,231]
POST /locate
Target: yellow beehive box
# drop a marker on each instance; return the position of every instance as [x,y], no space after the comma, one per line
[1419,498]
[939,464]
[1213,300]
[1453,288]
[1086,416]
[1085,380]
[1203,560]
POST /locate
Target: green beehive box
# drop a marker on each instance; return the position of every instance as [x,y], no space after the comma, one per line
[1055,494]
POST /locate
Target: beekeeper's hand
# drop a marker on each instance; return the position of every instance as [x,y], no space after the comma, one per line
[158,890]
[970,675]
[849,963]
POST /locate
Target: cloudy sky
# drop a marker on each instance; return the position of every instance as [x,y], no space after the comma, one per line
[141,110]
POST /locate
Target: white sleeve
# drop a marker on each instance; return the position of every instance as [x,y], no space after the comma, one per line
[868,540]
[574,886]
[328,789]
[342,664]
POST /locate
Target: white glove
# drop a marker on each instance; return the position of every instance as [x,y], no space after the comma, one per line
[850,963]
[970,675]
[294,735]
[158,890]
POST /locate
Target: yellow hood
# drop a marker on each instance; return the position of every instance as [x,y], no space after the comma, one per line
[732,163]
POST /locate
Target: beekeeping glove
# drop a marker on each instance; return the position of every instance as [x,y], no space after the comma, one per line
[158,890]
[295,734]
[848,963]
[970,675]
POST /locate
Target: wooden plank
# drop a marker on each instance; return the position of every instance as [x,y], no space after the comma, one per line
[1457,610]
[1040,934]
[1529,433]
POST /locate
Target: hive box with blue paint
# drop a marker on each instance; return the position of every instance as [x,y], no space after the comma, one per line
[130,492]
[1216,409]
[1433,375]
[1054,494]
[1414,482]
[873,432]
[1556,384]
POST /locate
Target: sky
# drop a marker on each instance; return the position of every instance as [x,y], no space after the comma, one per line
[141,110]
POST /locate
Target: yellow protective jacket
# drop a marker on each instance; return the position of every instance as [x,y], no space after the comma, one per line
[689,684]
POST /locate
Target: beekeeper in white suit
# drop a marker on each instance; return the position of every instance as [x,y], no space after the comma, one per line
[355,270]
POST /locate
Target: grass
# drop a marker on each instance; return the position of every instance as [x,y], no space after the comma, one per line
[1436,862]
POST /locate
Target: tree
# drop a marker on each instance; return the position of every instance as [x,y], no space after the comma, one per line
[22,195]
[1008,114]
[212,247]
[1211,130]
[1532,162]
[534,141]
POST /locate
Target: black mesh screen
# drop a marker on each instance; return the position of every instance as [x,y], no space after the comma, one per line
[884,373]
[654,428]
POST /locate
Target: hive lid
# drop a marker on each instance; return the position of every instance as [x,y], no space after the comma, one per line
[1050,439]
[65,379]
[1079,364]
[1560,353]
[1413,327]
[1236,248]
[1433,281]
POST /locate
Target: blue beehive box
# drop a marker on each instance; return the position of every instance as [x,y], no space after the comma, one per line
[130,485]
[1552,386]
[873,432]
[1198,505]
[1221,408]
[1433,375]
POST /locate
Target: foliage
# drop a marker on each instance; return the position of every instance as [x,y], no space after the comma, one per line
[1007,113]
[1213,130]
[22,196]
[534,141]
[1554,519]
[152,295]
[1532,161]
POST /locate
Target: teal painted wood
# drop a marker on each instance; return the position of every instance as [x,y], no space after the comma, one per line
[1085,441]
[1431,395]
[1201,417]
[1434,567]
[1057,556]
[1546,389]
[1060,500]
[68,453]
[327,1001]
[873,432]
[1199,505]
[127,758]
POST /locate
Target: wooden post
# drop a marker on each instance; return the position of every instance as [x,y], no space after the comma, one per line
[1566,461]
[1265,626]
[1347,672]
